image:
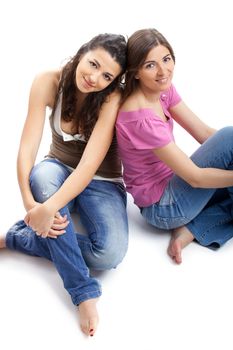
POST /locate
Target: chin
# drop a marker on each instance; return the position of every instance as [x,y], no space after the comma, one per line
[166,86]
[83,89]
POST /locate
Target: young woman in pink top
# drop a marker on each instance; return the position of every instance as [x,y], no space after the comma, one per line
[191,196]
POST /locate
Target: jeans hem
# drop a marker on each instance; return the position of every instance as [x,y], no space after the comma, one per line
[9,241]
[83,297]
[203,240]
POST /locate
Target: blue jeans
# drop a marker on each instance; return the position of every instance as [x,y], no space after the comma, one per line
[102,210]
[207,213]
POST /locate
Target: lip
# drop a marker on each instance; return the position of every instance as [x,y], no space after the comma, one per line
[162,80]
[88,83]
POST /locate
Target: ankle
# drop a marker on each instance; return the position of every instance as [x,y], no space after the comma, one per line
[2,241]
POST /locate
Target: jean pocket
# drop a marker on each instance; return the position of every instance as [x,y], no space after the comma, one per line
[165,211]
[164,216]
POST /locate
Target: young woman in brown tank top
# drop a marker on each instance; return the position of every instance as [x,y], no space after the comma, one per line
[81,173]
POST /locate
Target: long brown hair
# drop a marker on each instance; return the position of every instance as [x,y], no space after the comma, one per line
[87,116]
[138,46]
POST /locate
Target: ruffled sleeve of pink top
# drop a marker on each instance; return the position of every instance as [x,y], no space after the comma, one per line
[139,132]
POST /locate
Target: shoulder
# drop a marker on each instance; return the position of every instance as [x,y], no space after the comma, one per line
[132,103]
[111,104]
[45,86]
[47,78]
[170,97]
[113,98]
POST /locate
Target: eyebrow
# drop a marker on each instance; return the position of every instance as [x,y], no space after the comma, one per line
[153,61]
[98,64]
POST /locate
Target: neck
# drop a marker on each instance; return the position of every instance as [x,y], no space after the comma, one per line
[80,97]
[149,95]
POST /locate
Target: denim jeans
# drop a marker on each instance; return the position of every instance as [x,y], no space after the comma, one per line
[207,213]
[102,210]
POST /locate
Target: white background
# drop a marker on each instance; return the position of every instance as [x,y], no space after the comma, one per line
[148,302]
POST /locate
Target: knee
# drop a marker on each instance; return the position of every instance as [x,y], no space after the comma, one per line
[109,259]
[45,179]
[225,133]
[110,253]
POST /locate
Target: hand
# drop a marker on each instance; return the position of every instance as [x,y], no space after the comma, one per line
[40,218]
[28,206]
[58,227]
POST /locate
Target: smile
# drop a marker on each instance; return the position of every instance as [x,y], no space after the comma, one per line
[162,81]
[88,83]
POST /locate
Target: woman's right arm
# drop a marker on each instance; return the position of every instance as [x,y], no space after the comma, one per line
[42,94]
[185,168]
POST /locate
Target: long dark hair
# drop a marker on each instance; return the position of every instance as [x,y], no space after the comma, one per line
[138,46]
[87,116]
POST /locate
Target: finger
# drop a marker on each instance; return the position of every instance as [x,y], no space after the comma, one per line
[37,233]
[51,236]
[56,232]
[60,217]
[26,220]
[59,221]
[60,226]
[44,234]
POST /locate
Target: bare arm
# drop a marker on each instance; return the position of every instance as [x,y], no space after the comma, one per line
[40,217]
[42,94]
[184,167]
[191,123]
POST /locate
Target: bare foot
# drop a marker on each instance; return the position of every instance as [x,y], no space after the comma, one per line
[181,237]
[88,316]
[2,241]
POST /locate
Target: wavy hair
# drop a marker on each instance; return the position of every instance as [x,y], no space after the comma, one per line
[87,116]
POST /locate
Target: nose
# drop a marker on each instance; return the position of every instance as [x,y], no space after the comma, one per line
[161,68]
[94,78]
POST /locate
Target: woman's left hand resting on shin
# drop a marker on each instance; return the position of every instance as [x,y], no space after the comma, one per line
[39,217]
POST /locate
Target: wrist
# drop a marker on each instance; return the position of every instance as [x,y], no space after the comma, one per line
[50,206]
[29,205]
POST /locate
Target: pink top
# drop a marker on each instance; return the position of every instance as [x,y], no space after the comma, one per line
[138,133]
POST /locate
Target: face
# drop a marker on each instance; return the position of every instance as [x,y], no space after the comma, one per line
[96,70]
[156,73]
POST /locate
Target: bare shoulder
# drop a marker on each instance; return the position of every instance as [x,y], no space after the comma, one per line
[132,103]
[47,78]
[114,98]
[110,107]
[45,86]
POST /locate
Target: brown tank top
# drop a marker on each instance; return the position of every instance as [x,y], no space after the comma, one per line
[70,153]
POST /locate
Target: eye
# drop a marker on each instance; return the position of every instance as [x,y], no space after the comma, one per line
[167,59]
[107,77]
[150,65]
[93,64]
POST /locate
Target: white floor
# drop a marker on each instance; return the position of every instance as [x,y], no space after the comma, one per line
[148,302]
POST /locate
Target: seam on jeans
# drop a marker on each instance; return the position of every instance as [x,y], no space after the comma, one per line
[85,209]
[203,234]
